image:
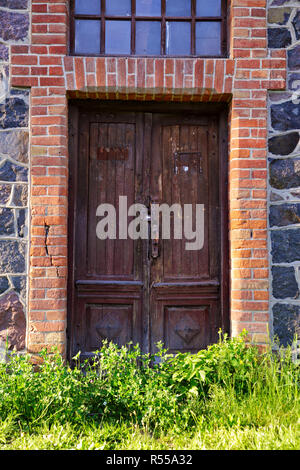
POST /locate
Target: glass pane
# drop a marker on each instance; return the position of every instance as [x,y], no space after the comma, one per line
[88,7]
[87,37]
[118,7]
[208,38]
[117,37]
[147,38]
[211,8]
[178,38]
[148,7]
[178,7]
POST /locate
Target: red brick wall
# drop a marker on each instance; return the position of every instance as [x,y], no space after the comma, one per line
[243,80]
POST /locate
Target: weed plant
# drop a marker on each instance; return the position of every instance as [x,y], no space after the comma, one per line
[229,395]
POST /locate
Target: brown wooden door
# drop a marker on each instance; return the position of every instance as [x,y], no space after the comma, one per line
[145,291]
[185,284]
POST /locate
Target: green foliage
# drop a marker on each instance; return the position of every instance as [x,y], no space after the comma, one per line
[229,362]
[229,386]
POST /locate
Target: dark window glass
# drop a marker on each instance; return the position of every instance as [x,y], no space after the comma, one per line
[208,38]
[178,7]
[148,37]
[117,7]
[87,37]
[208,8]
[148,8]
[117,37]
[178,38]
[148,27]
[88,7]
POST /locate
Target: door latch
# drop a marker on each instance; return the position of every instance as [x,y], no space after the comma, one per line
[153,232]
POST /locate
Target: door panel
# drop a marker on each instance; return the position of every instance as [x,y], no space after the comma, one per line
[186,327]
[181,171]
[107,321]
[144,291]
[108,274]
[185,284]
[111,172]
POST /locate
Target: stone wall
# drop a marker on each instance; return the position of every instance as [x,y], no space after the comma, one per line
[14,177]
[284,174]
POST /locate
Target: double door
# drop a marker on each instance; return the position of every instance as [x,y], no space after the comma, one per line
[163,279]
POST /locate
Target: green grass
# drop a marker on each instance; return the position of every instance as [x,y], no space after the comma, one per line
[225,397]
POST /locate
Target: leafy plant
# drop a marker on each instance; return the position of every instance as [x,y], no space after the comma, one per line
[229,385]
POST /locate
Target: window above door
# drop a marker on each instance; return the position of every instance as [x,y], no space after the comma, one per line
[171,28]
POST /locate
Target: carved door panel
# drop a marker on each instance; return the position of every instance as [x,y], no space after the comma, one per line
[144,290]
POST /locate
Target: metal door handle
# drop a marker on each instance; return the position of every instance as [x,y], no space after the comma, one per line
[153,232]
[155,248]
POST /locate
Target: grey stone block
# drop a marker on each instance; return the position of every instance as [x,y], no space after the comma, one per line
[4,52]
[5,192]
[14,4]
[15,143]
[286,322]
[19,283]
[20,195]
[294,58]
[296,25]
[285,173]
[279,15]
[283,144]
[7,225]
[11,172]
[279,38]
[12,321]
[284,284]
[4,284]
[14,26]
[12,256]
[285,116]
[14,113]
[284,214]
[285,245]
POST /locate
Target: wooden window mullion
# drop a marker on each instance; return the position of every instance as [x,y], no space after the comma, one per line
[223,28]
[133,28]
[193,28]
[72,27]
[163,27]
[102,41]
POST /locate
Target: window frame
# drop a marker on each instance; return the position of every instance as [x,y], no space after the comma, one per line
[163,19]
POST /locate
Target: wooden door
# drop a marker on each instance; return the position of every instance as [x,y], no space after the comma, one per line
[145,290]
[185,307]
